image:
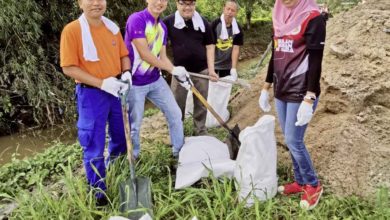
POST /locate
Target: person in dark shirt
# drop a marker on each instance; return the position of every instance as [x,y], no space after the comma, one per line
[295,71]
[191,39]
[325,12]
[228,37]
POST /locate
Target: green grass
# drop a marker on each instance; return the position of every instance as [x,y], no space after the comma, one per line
[150,112]
[209,199]
[67,197]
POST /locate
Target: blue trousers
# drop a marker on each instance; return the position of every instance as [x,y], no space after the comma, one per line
[96,108]
[304,172]
[161,95]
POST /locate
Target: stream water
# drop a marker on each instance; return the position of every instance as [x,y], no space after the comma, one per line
[26,144]
[22,145]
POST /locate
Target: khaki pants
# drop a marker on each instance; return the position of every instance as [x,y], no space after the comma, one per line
[200,111]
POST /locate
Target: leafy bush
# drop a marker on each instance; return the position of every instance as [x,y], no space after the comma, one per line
[32,86]
[25,174]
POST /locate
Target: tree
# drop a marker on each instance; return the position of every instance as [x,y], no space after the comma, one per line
[250,5]
[33,89]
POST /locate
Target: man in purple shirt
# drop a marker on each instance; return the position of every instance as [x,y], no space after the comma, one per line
[146,38]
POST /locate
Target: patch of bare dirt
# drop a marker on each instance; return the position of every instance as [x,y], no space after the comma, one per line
[349,136]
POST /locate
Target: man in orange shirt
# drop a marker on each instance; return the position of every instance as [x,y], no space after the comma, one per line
[93,53]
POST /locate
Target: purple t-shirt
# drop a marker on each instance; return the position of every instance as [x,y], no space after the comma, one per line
[143,25]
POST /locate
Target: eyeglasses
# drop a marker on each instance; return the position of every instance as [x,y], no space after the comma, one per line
[189,4]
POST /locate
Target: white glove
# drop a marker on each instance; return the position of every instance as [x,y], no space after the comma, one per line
[304,114]
[126,76]
[233,73]
[182,76]
[113,86]
[180,72]
[264,101]
[186,84]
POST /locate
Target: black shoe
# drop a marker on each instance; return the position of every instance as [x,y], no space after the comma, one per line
[102,201]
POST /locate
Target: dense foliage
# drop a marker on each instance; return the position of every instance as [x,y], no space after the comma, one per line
[26,174]
[33,91]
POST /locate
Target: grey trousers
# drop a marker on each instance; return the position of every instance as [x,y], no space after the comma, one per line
[200,111]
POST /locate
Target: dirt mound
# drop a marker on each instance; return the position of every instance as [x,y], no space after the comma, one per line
[349,137]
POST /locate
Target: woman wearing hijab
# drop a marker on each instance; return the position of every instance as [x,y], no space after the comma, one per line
[295,71]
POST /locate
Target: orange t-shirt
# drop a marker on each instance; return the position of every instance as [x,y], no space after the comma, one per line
[110,49]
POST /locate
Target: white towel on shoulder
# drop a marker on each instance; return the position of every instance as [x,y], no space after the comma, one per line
[89,49]
[197,21]
[224,33]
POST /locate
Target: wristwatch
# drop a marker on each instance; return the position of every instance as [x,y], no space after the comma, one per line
[310,97]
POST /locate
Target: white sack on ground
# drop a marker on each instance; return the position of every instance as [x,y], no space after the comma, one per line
[255,169]
[199,156]
[218,98]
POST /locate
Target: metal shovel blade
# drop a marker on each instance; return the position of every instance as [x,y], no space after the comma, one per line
[233,142]
[135,194]
[134,203]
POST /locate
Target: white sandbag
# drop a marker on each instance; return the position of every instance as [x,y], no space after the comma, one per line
[189,110]
[199,156]
[255,169]
[218,98]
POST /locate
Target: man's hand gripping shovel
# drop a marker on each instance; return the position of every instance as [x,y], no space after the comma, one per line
[135,193]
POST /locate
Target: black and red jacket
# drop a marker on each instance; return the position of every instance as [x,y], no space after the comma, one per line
[295,65]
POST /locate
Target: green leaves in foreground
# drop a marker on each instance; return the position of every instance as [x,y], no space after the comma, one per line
[25,174]
[209,198]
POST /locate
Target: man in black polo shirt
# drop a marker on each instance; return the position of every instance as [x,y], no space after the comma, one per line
[228,39]
[191,39]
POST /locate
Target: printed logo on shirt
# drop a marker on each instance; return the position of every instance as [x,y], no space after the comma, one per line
[284,45]
[155,38]
[224,45]
[295,31]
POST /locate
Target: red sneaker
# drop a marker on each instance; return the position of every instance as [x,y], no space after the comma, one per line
[311,196]
[290,188]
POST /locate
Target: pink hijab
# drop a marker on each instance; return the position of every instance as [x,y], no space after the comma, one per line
[286,19]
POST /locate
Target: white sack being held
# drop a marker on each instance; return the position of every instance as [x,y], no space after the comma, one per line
[218,98]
